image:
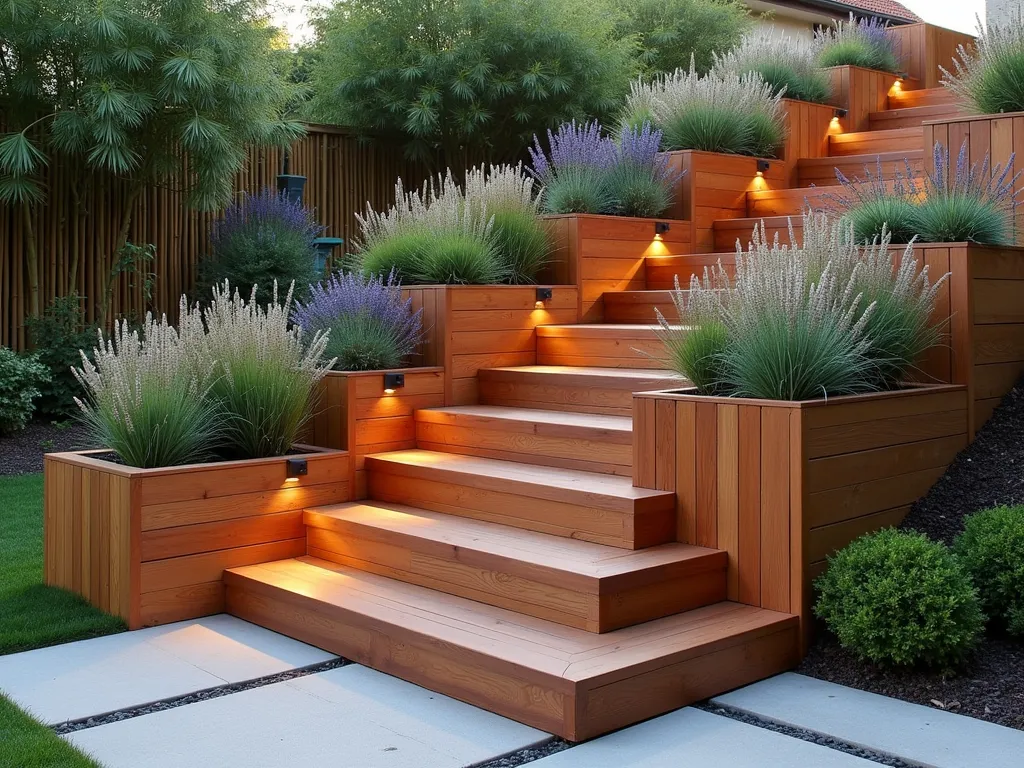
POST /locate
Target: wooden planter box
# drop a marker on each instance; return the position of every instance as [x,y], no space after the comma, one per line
[862,91]
[715,187]
[807,130]
[923,47]
[606,253]
[780,485]
[998,136]
[150,545]
[356,413]
[469,327]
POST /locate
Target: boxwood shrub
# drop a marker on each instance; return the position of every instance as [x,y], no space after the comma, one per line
[992,550]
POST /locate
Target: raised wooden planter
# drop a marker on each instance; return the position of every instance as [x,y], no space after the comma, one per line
[356,412]
[780,485]
[150,545]
[862,91]
[715,187]
[807,129]
[606,253]
[923,47]
[469,327]
[998,136]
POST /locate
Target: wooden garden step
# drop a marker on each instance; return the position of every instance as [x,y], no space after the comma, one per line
[908,117]
[788,202]
[584,441]
[921,97]
[602,508]
[639,306]
[576,583]
[729,231]
[559,679]
[868,142]
[661,271]
[819,171]
[605,346]
[568,388]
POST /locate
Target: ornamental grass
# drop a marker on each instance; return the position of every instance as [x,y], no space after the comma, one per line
[719,112]
[862,42]
[787,64]
[990,78]
[821,319]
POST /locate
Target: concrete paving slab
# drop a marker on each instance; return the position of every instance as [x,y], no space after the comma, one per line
[913,732]
[350,717]
[692,737]
[92,677]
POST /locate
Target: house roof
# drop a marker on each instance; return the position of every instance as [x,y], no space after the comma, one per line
[889,8]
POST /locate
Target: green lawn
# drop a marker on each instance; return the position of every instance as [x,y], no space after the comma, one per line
[27,743]
[31,614]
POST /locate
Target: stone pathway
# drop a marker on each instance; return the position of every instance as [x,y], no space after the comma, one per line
[353,717]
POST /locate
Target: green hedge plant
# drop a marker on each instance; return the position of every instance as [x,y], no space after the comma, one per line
[991,548]
[719,112]
[864,42]
[898,599]
[21,377]
[57,336]
[989,79]
[787,64]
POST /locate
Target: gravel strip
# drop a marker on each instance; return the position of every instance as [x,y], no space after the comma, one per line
[805,735]
[527,754]
[191,698]
[23,451]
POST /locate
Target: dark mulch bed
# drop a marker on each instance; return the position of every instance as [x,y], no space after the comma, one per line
[23,451]
[988,473]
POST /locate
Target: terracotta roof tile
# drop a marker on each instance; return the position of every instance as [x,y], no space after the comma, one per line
[887,7]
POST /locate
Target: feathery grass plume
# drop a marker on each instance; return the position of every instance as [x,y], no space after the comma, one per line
[266,371]
[641,182]
[519,237]
[720,112]
[872,203]
[967,202]
[787,64]
[370,326]
[859,43]
[990,79]
[147,396]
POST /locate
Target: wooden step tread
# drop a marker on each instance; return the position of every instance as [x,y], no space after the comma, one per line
[867,158]
[604,490]
[609,345]
[599,330]
[624,377]
[538,420]
[567,681]
[921,97]
[772,222]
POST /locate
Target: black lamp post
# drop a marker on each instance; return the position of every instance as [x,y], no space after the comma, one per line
[288,185]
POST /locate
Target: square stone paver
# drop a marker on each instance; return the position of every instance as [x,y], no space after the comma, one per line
[692,738]
[918,734]
[350,717]
[92,677]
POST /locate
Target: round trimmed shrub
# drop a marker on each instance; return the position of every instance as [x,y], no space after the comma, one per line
[20,377]
[897,598]
[992,550]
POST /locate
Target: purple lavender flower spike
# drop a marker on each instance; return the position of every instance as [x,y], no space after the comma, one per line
[573,146]
[262,216]
[351,294]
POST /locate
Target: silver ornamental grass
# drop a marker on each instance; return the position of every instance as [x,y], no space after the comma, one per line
[787,64]
[990,78]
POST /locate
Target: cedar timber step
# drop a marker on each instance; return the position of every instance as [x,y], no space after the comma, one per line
[788,202]
[563,680]
[822,170]
[912,117]
[639,306]
[729,231]
[604,346]
[866,142]
[605,509]
[585,441]
[921,97]
[661,271]
[575,583]
[566,388]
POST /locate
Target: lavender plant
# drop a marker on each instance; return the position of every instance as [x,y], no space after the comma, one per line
[642,181]
[967,202]
[259,240]
[787,64]
[147,396]
[873,204]
[823,318]
[990,78]
[863,42]
[370,326]
[720,112]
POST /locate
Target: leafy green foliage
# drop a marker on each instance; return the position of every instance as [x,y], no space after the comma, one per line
[482,75]
[668,32]
[362,342]
[20,378]
[991,548]
[990,79]
[898,599]
[57,336]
